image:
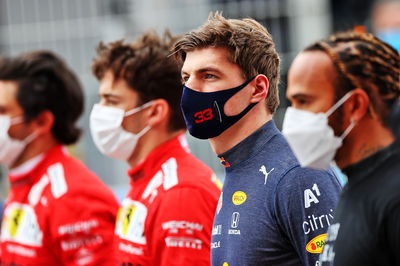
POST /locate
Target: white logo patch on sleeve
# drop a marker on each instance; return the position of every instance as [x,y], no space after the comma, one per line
[170,173]
[130,221]
[20,225]
[57,179]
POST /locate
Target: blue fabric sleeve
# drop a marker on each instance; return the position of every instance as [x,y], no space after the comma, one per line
[305,200]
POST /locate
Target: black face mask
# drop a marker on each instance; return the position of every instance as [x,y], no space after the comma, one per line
[204,111]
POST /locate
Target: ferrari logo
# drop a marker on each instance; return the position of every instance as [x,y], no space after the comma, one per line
[15,220]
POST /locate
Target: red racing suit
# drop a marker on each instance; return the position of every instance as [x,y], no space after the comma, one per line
[58,213]
[166,217]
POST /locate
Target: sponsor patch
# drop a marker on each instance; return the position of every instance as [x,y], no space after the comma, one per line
[130,221]
[239,197]
[183,242]
[316,244]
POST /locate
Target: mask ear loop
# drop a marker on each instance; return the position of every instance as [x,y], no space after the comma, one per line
[28,139]
[339,103]
[137,109]
[353,123]
[16,120]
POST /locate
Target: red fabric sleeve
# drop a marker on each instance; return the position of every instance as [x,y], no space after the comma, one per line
[180,232]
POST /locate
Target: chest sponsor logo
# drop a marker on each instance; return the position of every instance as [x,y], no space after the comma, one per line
[216,244]
[316,244]
[235,219]
[128,248]
[78,227]
[225,264]
[217,229]
[183,242]
[263,170]
[20,225]
[130,221]
[239,197]
[175,226]
[234,224]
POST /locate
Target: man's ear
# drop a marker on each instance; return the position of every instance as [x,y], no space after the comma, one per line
[359,104]
[158,113]
[44,122]
[261,86]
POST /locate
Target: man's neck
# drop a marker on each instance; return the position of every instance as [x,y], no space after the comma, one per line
[366,140]
[246,126]
[40,145]
[148,142]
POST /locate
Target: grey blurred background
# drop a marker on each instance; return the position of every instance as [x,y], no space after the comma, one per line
[73,28]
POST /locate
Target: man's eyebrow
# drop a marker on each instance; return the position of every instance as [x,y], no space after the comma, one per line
[299,95]
[204,70]
[109,95]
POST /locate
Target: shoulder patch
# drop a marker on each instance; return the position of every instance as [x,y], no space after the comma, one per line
[57,179]
[170,169]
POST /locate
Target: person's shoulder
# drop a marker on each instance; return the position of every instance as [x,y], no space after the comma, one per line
[191,170]
[69,178]
[278,151]
[301,178]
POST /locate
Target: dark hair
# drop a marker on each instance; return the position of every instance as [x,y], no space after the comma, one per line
[147,68]
[249,44]
[46,83]
[363,61]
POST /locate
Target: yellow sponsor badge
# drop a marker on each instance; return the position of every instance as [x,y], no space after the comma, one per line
[316,244]
[127,217]
[239,197]
[15,220]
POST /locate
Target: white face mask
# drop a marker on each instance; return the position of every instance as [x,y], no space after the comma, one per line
[11,149]
[311,138]
[109,136]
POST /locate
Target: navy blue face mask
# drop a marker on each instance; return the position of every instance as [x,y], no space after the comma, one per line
[204,111]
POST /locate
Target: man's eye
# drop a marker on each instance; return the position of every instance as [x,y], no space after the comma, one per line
[209,76]
[184,79]
[302,102]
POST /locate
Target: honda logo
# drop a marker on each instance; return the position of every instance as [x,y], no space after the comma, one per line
[235,219]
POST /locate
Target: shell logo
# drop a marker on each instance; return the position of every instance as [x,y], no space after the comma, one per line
[225,264]
[239,197]
[316,244]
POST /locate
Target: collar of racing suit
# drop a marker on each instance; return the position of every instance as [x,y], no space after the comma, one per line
[25,174]
[251,145]
[362,169]
[149,166]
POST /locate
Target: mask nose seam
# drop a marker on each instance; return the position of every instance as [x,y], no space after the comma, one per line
[219,112]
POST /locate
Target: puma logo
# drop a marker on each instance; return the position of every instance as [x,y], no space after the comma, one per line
[264,171]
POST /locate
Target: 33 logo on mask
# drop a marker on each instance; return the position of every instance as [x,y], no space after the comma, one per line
[203,115]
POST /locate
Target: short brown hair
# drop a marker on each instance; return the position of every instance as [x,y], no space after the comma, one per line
[363,61]
[147,68]
[250,46]
[46,83]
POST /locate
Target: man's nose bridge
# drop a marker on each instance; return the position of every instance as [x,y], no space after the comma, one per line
[193,83]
